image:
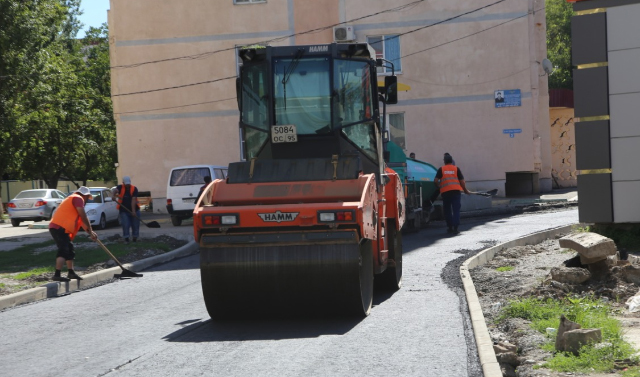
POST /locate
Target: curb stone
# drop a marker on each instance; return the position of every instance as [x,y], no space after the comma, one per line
[57,289]
[488,360]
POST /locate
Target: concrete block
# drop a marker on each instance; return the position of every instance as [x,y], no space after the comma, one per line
[589,245]
[570,275]
[574,339]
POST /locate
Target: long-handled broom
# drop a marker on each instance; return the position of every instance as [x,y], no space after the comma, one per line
[152,224]
[125,273]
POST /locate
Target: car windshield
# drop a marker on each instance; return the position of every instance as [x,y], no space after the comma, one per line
[32,194]
[303,94]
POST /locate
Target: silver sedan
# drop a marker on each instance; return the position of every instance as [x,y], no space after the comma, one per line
[34,205]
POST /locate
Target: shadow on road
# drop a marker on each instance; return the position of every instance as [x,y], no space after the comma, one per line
[202,331]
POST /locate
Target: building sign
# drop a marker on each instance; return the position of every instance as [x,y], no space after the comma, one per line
[508,98]
[512,131]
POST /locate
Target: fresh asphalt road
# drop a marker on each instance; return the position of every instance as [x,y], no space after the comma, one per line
[158,325]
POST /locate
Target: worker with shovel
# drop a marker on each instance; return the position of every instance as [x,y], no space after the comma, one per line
[65,224]
[126,195]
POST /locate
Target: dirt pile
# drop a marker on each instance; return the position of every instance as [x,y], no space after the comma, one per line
[524,271]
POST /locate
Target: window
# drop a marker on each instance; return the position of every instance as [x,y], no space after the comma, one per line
[387,47]
[303,94]
[248,1]
[188,177]
[220,173]
[395,126]
[255,112]
[97,197]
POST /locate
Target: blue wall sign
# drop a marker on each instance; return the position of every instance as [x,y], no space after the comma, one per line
[508,98]
[512,131]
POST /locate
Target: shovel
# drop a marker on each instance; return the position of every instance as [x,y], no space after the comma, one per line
[153,224]
[125,273]
[486,193]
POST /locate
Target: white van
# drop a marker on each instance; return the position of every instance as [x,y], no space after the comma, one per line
[183,188]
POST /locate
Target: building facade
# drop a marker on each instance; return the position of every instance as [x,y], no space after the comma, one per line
[473,76]
[606,54]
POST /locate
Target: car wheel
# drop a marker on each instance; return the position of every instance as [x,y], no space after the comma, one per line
[119,221]
[103,222]
[51,216]
[176,221]
[15,222]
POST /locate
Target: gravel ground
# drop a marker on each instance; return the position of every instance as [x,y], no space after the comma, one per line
[530,277]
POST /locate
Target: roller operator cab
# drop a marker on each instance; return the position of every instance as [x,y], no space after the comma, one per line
[313,214]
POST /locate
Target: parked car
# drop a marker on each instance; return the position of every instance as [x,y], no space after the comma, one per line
[183,188]
[34,205]
[102,209]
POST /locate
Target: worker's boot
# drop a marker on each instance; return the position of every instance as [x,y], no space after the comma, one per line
[72,275]
[455,230]
[60,278]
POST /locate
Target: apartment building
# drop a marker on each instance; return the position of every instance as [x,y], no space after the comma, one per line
[472,75]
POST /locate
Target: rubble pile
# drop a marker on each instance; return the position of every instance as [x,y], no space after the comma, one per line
[577,264]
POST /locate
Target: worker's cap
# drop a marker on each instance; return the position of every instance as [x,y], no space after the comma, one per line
[82,190]
[126,180]
[447,158]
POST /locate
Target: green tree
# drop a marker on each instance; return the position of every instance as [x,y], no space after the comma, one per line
[57,109]
[27,30]
[97,148]
[52,102]
[558,14]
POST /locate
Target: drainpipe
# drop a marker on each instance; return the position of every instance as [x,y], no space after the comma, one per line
[534,78]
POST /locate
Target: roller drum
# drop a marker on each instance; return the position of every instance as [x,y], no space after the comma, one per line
[240,280]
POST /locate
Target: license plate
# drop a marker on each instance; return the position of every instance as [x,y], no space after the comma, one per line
[284,134]
[189,200]
[24,205]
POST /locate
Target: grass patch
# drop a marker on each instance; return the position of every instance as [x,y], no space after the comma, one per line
[631,372]
[589,313]
[505,268]
[28,260]
[32,272]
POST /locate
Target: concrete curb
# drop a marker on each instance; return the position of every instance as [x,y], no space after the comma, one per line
[64,288]
[488,360]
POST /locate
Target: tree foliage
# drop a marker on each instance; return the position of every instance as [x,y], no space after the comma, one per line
[558,14]
[55,108]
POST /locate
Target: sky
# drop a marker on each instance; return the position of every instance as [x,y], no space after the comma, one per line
[95,14]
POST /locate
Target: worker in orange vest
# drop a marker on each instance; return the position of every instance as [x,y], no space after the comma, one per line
[126,195]
[65,224]
[450,181]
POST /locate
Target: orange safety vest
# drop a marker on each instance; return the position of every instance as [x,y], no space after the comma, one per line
[449,180]
[67,217]
[132,188]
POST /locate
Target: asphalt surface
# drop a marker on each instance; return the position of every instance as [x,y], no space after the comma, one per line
[158,326]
